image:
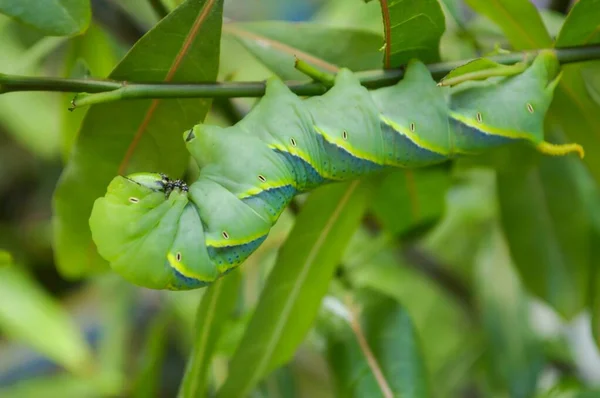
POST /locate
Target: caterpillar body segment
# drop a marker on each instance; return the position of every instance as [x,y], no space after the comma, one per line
[163,234]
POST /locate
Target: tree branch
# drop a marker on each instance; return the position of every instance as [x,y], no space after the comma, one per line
[110,90]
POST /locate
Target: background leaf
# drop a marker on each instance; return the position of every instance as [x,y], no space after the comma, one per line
[31,315]
[519,20]
[514,353]
[52,17]
[293,292]
[547,225]
[394,344]
[147,381]
[137,135]
[277,43]
[16,115]
[412,29]
[582,25]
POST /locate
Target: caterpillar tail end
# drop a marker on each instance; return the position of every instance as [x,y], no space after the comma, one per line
[560,149]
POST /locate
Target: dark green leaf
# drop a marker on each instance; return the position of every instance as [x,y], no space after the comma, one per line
[277,43]
[280,384]
[151,359]
[52,17]
[391,342]
[513,352]
[412,29]
[547,224]
[406,199]
[591,78]
[290,300]
[137,135]
[118,300]
[213,312]
[29,314]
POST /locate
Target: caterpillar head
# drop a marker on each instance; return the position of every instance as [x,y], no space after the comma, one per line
[134,223]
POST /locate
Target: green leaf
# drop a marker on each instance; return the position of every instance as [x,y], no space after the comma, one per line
[29,314]
[5,258]
[513,352]
[64,385]
[52,17]
[290,300]
[118,303]
[405,200]
[213,312]
[545,217]
[151,357]
[392,343]
[277,43]
[591,78]
[582,25]
[412,29]
[280,384]
[430,307]
[361,15]
[519,20]
[24,114]
[137,135]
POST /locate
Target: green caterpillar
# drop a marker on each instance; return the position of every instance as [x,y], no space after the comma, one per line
[163,234]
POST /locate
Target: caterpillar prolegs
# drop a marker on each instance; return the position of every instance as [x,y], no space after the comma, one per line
[163,234]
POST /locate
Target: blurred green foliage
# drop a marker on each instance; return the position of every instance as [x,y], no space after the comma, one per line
[477,278]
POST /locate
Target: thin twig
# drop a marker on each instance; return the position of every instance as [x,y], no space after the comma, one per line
[364,346]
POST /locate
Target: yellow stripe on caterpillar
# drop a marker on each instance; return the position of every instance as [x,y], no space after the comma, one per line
[344,144]
[179,267]
[265,186]
[226,242]
[414,137]
[299,153]
[476,124]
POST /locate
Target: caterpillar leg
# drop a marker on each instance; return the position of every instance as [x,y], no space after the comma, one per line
[548,148]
